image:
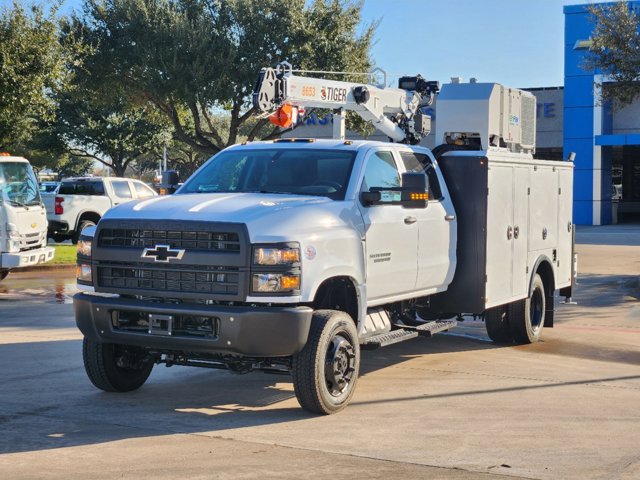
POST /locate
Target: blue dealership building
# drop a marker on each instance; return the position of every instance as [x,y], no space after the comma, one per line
[606,140]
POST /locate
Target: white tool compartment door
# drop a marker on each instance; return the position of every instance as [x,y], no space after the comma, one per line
[543,203]
[565,226]
[520,280]
[391,242]
[499,234]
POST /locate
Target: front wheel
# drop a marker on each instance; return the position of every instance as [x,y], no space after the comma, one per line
[3,273]
[116,368]
[325,372]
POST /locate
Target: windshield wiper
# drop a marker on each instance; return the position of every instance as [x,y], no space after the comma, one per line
[16,202]
[277,193]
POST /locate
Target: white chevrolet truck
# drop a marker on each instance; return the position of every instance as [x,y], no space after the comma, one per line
[23,220]
[293,255]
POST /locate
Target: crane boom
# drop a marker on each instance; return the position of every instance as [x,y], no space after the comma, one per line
[393,111]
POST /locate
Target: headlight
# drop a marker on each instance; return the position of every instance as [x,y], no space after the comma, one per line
[276,256]
[83,269]
[275,282]
[84,247]
[12,231]
[83,273]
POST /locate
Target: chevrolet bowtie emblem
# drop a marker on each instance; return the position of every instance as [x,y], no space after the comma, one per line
[34,225]
[162,253]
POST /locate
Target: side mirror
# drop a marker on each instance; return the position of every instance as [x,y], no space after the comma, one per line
[415,190]
[414,193]
[370,198]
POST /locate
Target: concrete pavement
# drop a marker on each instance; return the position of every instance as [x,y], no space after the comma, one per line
[454,406]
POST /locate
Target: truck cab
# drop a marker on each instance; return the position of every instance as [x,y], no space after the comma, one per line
[234,266]
[23,219]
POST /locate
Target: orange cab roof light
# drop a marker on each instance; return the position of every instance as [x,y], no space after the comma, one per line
[5,154]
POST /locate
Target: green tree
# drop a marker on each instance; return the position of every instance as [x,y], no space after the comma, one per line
[44,149]
[31,66]
[615,51]
[180,157]
[110,130]
[196,60]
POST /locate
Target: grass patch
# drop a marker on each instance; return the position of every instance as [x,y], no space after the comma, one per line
[65,255]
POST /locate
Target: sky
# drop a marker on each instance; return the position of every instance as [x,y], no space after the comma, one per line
[518,43]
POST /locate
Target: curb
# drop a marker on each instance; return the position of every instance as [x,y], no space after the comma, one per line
[41,268]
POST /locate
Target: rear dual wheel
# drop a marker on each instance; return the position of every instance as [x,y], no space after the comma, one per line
[520,321]
[496,321]
[529,314]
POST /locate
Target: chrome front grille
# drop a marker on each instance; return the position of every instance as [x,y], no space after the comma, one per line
[31,241]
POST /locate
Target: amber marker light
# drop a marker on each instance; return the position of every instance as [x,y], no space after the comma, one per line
[290,282]
[419,196]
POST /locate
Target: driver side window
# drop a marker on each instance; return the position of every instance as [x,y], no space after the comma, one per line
[381,172]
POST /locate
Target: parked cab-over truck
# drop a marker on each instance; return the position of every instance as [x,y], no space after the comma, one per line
[292,255]
[23,220]
[80,202]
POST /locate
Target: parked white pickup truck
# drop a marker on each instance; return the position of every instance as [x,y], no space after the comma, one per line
[81,202]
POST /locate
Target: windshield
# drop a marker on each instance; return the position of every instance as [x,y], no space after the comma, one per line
[18,184]
[290,171]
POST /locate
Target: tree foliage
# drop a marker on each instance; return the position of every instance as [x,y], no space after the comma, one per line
[180,157]
[44,149]
[615,51]
[196,60]
[110,130]
[31,66]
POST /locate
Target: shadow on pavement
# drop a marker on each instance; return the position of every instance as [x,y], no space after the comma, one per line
[47,401]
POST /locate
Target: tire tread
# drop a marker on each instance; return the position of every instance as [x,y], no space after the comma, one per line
[104,374]
[92,352]
[305,384]
[496,321]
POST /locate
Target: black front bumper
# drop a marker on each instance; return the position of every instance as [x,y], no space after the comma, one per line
[246,331]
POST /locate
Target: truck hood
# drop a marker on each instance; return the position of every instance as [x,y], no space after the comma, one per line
[275,216]
[29,220]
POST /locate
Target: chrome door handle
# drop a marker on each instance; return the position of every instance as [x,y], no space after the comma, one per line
[449,218]
[410,220]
